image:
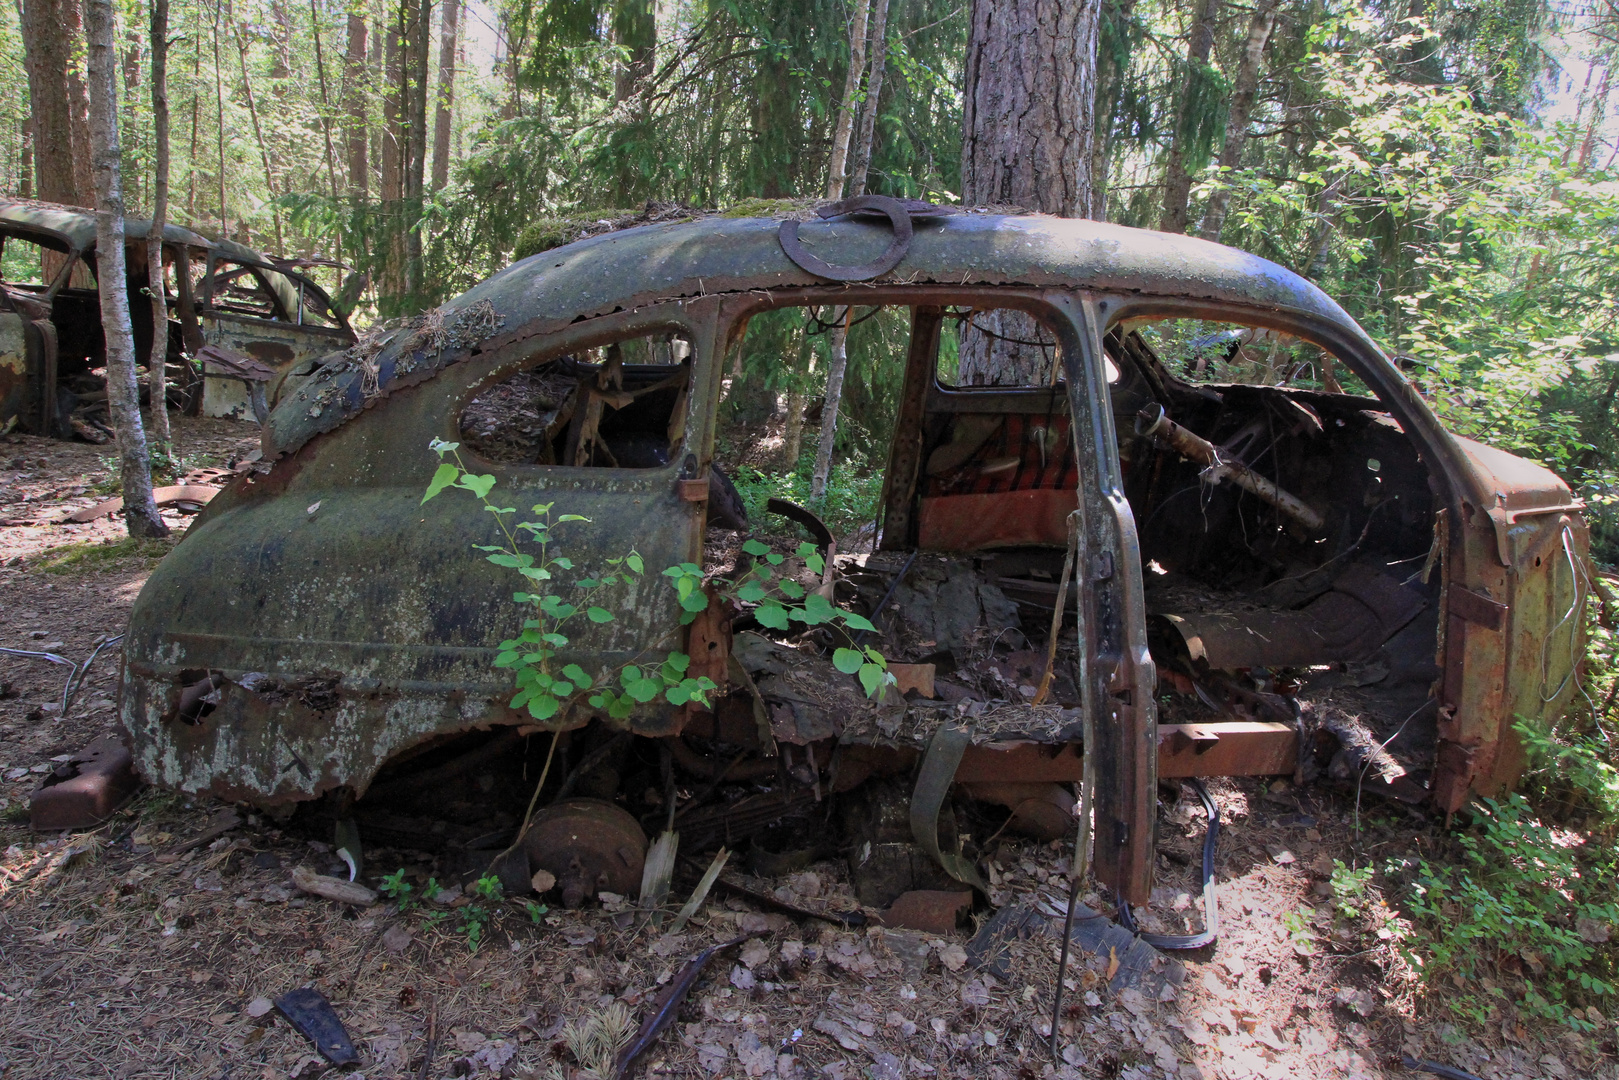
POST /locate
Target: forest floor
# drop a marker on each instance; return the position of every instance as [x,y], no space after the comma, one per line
[131,952]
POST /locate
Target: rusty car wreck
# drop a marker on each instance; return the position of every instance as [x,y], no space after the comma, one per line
[238,323]
[1249,573]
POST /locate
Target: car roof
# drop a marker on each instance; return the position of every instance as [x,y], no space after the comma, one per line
[77,225]
[661,262]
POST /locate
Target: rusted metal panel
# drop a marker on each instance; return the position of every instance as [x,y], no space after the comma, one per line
[1028,761]
[17,396]
[277,346]
[1235,748]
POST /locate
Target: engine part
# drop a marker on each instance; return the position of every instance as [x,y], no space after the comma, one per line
[590,846]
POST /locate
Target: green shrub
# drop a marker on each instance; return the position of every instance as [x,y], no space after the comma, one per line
[852,493]
[1522,916]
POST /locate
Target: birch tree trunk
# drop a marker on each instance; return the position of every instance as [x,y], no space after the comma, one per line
[1028,130]
[1243,91]
[419,48]
[874,91]
[837,339]
[325,100]
[123,394]
[157,362]
[1178,174]
[444,114]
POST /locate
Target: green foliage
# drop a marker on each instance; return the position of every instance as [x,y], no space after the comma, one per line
[474,916]
[1350,889]
[852,492]
[545,685]
[1522,916]
[396,888]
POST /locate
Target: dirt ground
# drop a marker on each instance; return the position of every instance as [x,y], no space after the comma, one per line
[133,951]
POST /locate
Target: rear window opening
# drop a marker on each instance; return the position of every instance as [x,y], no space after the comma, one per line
[622,405]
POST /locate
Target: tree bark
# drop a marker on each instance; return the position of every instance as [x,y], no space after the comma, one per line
[1243,91]
[420,49]
[355,133]
[48,56]
[1028,130]
[157,362]
[391,187]
[837,341]
[1178,174]
[219,122]
[838,163]
[444,114]
[78,101]
[874,91]
[258,135]
[325,99]
[123,394]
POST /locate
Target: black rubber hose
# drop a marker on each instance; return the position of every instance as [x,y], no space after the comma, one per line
[1211,911]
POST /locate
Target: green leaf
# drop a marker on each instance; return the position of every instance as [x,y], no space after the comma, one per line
[643,690]
[443,477]
[678,660]
[816,564]
[621,708]
[558,640]
[633,561]
[694,603]
[674,572]
[791,589]
[577,674]
[872,678]
[629,674]
[858,622]
[751,593]
[818,609]
[506,659]
[775,559]
[562,688]
[804,549]
[587,583]
[599,615]
[756,548]
[848,661]
[563,561]
[506,558]
[772,615]
[544,707]
[677,695]
[478,485]
[569,517]
[535,573]
[440,447]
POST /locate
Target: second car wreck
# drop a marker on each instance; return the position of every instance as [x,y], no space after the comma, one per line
[1252,578]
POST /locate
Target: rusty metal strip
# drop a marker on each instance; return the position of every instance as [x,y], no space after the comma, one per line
[1474,608]
[898,216]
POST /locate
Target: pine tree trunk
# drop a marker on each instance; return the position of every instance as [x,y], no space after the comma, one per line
[444,115]
[157,362]
[1178,174]
[355,132]
[25,166]
[874,91]
[219,126]
[1029,126]
[420,47]
[123,394]
[78,101]
[48,57]
[1243,91]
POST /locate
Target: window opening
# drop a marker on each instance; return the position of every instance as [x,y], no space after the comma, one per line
[621,405]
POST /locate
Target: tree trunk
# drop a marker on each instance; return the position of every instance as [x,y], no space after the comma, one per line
[78,101]
[874,91]
[258,135]
[1028,128]
[1194,102]
[420,49]
[123,394]
[838,164]
[1243,91]
[325,100]
[444,115]
[635,29]
[219,124]
[157,362]
[1320,243]
[391,188]
[837,341]
[48,56]
[355,133]
[25,168]
[196,108]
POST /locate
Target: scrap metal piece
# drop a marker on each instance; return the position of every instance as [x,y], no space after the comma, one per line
[316,1021]
[193,496]
[1154,423]
[932,911]
[87,790]
[898,214]
[590,845]
[666,1006]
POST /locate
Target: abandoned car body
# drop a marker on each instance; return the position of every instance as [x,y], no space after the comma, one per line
[1230,550]
[261,320]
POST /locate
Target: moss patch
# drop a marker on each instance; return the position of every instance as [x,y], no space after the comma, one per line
[83,557]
